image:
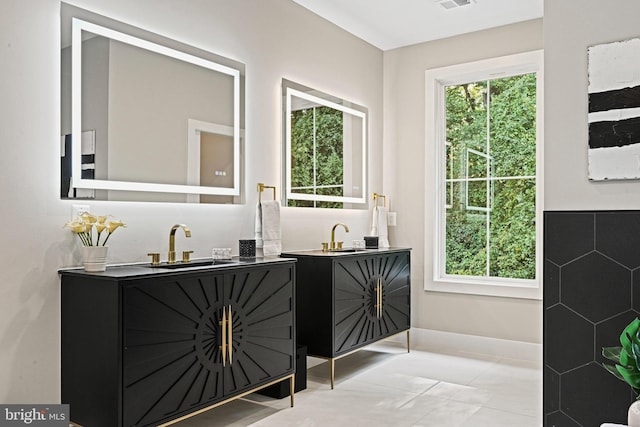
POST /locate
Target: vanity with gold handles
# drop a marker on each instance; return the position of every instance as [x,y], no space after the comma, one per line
[347,299]
[144,345]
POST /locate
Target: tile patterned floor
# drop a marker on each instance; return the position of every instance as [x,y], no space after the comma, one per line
[383,385]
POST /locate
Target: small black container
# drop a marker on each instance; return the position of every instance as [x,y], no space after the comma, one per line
[247,248]
[371,242]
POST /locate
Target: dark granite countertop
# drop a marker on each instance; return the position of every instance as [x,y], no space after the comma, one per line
[342,252]
[133,270]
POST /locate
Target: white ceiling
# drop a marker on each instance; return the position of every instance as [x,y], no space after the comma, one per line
[389,24]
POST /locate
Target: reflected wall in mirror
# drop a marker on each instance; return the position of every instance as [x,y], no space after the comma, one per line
[166,118]
[325,149]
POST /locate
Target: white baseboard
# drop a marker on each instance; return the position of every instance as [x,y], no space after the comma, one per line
[450,342]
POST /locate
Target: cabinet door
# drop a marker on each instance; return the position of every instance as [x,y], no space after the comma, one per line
[372,299]
[263,345]
[171,356]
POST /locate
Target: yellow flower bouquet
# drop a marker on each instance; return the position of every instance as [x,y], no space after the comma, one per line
[86,225]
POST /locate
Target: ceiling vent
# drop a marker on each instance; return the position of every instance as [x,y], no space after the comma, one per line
[452,4]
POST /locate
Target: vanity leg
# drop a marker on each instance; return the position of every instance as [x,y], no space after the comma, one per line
[332,370]
[292,382]
[408,342]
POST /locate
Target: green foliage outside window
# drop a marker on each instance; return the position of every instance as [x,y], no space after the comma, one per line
[319,131]
[490,219]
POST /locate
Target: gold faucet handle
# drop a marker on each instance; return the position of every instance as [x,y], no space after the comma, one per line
[325,247]
[339,245]
[155,258]
[186,256]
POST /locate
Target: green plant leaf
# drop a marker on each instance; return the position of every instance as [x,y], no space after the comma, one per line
[630,331]
[630,375]
[627,357]
[614,371]
[612,353]
[635,353]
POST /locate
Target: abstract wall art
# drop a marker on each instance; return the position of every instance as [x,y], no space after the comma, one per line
[614,110]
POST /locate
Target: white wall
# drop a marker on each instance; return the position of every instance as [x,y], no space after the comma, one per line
[274,38]
[570,27]
[405,174]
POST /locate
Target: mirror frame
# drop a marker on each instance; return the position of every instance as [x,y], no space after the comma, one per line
[289,194]
[79,25]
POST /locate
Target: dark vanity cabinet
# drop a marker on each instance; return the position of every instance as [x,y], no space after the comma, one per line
[347,300]
[146,349]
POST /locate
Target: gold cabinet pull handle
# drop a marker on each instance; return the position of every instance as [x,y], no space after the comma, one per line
[375,304]
[378,304]
[223,327]
[230,335]
[379,297]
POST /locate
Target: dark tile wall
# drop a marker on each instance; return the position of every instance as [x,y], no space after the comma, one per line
[591,292]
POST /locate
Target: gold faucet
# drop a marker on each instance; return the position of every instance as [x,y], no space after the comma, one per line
[172,241]
[332,244]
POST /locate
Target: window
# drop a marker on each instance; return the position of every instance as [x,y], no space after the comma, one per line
[484,121]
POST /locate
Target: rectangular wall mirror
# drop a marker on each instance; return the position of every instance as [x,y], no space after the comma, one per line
[146,118]
[325,149]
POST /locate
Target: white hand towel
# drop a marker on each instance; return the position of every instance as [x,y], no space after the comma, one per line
[373,231]
[258,226]
[383,232]
[271,234]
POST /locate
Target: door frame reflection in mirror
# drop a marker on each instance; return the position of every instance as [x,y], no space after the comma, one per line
[78,26]
[196,129]
[317,98]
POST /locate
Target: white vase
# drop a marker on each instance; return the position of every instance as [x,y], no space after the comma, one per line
[94,258]
[633,419]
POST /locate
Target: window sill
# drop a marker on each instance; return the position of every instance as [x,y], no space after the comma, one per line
[506,289]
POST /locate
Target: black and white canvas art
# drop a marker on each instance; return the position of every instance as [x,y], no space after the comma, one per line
[614,110]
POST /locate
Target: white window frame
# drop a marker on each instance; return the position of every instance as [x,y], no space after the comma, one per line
[436,80]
